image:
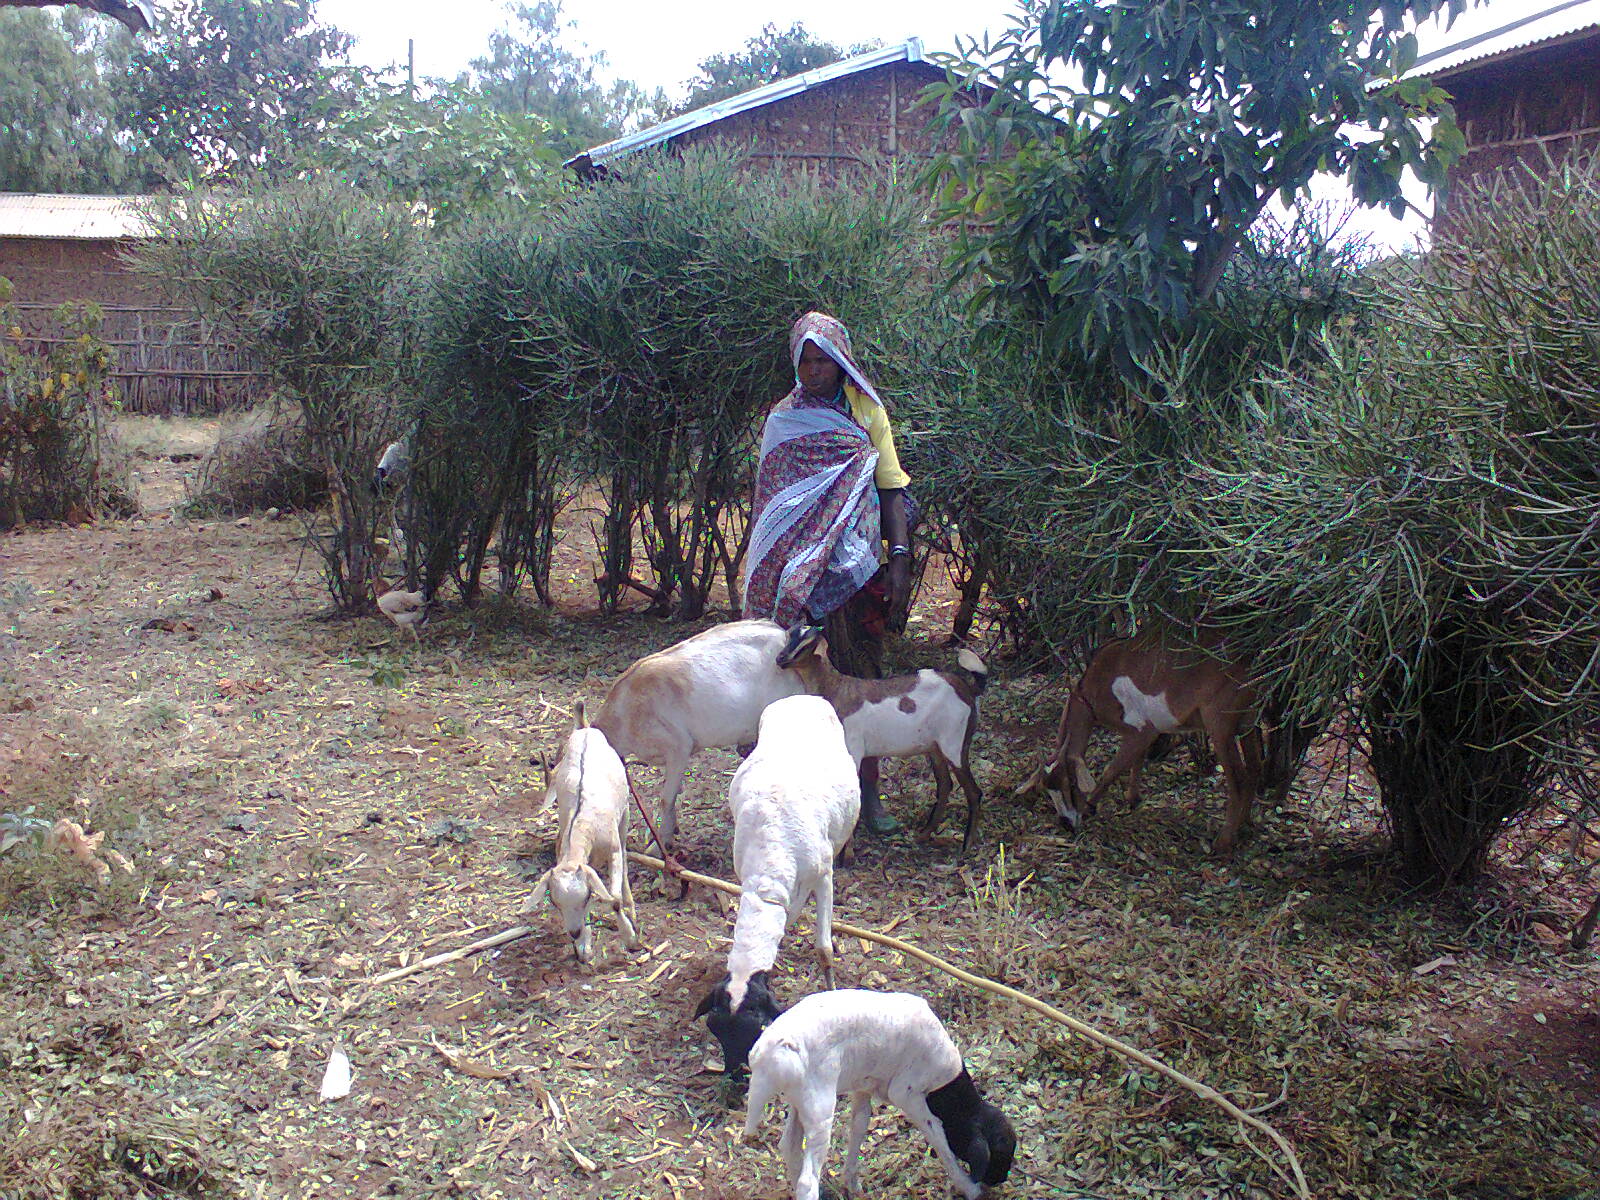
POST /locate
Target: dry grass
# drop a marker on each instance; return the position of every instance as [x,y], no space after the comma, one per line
[308,804]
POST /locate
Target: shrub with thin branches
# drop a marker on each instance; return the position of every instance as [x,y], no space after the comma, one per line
[57,458]
[307,275]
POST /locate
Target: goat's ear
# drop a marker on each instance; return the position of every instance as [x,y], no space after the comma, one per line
[596,885]
[540,889]
[709,1001]
[581,721]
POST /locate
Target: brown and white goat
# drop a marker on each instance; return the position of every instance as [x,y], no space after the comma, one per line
[1140,688]
[932,713]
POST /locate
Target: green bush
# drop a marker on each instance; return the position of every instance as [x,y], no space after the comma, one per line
[1381,487]
[57,457]
[309,277]
[635,332]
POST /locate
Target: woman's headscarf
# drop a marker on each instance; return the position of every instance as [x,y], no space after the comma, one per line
[833,339]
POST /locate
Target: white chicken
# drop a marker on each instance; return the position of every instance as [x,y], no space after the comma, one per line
[408,610]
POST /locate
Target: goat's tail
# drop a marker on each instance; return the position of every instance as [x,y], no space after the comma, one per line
[973,665]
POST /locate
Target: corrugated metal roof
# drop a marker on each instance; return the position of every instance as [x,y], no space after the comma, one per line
[1511,37]
[907,51]
[42,215]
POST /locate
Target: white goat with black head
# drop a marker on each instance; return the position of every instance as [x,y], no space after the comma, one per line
[590,787]
[874,1046]
[795,801]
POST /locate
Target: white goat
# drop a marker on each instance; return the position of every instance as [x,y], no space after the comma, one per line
[795,802]
[933,713]
[873,1045]
[705,691]
[590,786]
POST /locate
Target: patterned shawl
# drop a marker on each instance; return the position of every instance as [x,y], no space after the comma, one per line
[816,528]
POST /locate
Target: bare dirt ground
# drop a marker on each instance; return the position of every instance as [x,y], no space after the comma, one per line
[307,804]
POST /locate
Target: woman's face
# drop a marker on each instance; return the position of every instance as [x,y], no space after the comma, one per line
[818,373]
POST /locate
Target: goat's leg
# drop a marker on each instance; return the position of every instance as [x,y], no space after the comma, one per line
[860,1118]
[672,777]
[762,1089]
[824,895]
[622,899]
[969,785]
[1251,743]
[791,1146]
[941,792]
[815,1115]
[1130,755]
[915,1106]
[1222,728]
[1045,775]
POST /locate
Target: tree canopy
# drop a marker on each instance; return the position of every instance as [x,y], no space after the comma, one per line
[229,86]
[529,70]
[445,149]
[766,58]
[1128,145]
[60,121]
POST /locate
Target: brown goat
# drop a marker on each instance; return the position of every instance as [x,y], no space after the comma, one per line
[1140,687]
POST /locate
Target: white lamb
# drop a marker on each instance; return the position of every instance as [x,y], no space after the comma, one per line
[795,801]
[590,786]
[873,1045]
[703,692]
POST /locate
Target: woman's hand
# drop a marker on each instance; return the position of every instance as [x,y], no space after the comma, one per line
[899,591]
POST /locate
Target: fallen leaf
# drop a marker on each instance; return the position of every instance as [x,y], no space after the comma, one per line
[336,1079]
[68,837]
[1444,960]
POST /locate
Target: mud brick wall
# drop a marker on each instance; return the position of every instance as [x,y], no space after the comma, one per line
[1515,113]
[50,270]
[838,128]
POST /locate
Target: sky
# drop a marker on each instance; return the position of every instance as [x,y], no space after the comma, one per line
[658,44]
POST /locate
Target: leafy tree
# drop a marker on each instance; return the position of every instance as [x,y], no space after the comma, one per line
[231,85]
[445,150]
[1109,209]
[529,71]
[766,58]
[59,117]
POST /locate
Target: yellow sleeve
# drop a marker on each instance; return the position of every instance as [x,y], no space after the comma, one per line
[875,420]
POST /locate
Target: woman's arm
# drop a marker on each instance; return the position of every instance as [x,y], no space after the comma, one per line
[892,515]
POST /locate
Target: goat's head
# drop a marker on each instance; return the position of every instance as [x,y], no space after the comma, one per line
[1068,783]
[806,644]
[977,1131]
[572,890]
[737,1014]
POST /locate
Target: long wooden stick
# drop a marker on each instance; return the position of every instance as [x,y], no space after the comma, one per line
[488,943]
[1116,1046]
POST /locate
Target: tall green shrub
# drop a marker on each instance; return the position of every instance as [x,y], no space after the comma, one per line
[640,328]
[54,462]
[308,277]
[488,448]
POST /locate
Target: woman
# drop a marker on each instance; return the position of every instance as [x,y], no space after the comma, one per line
[830,492]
